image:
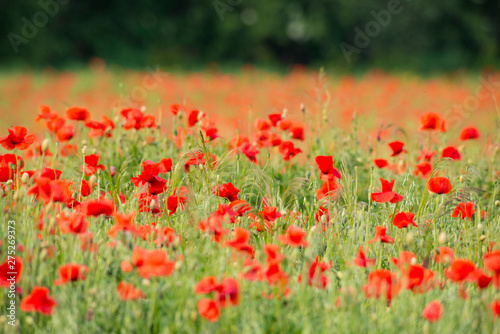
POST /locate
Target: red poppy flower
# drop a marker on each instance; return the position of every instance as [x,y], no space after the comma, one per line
[444,255]
[77,114]
[226,190]
[127,291]
[492,262]
[386,195]
[270,213]
[397,148]
[466,210]
[439,185]
[424,169]
[451,152]
[156,263]
[432,121]
[85,189]
[315,274]
[480,278]
[433,311]
[275,119]
[495,309]
[17,138]
[228,292]
[65,133]
[98,207]
[240,241]
[71,273]
[124,222]
[206,285]
[45,113]
[295,237]
[381,282]
[361,260]
[149,176]
[11,268]
[325,165]
[208,309]
[262,124]
[175,108]
[38,301]
[51,190]
[135,119]
[381,163]
[174,202]
[250,151]
[381,236]
[73,223]
[194,117]
[92,166]
[285,124]
[288,150]
[404,219]
[459,270]
[328,188]
[469,133]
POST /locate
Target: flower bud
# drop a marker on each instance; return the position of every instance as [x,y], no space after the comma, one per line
[482,238]
[497,203]
[25,177]
[45,144]
[442,238]
[92,181]
[479,227]
[461,179]
[84,149]
[152,204]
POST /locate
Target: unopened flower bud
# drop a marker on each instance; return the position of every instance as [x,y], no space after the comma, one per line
[480,226]
[92,181]
[200,115]
[461,179]
[25,177]
[152,204]
[84,150]
[9,182]
[143,108]
[497,203]
[146,282]
[339,274]
[413,261]
[45,144]
[482,238]
[442,238]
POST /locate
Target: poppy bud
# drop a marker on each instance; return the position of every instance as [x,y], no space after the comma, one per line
[200,115]
[92,181]
[284,113]
[442,238]
[193,316]
[461,179]
[16,195]
[45,144]
[84,150]
[84,142]
[303,107]
[482,238]
[152,204]
[94,150]
[413,261]
[308,175]
[497,203]
[480,226]
[146,282]
[29,320]
[177,265]
[339,274]
[9,182]
[143,108]
[74,195]
[112,170]
[25,177]
[200,166]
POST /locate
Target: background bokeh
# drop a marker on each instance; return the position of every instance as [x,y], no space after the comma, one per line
[423,36]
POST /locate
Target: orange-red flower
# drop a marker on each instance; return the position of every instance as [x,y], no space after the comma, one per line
[208,309]
[91,164]
[156,263]
[459,270]
[495,309]
[38,301]
[469,133]
[124,222]
[226,190]
[451,152]
[12,267]
[325,165]
[77,114]
[98,207]
[444,255]
[433,311]
[381,282]
[466,210]
[74,223]
[295,237]
[439,185]
[71,272]
[17,138]
[397,148]
[387,194]
[288,150]
[432,121]
[127,291]
[381,236]
[361,260]
[381,163]
[492,262]
[404,219]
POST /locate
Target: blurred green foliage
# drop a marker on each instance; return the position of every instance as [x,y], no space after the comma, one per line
[424,35]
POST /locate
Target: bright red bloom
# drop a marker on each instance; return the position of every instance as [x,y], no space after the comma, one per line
[228,292]
[451,152]
[240,241]
[174,202]
[295,237]
[77,114]
[92,166]
[250,151]
[65,133]
[495,309]
[226,190]
[424,169]
[397,148]
[45,113]
[381,163]
[6,270]
[445,255]
[71,273]
[74,223]
[98,207]
[297,132]
[155,263]
[262,124]
[325,165]
[175,108]
[361,260]
[135,119]
[480,278]
[208,309]
[328,188]
[288,150]
[206,285]
[124,222]
[433,311]
[38,301]
[17,138]
[315,275]
[270,213]
[469,133]
[432,121]
[381,236]
[439,185]
[194,116]
[85,188]
[51,190]
[466,210]
[492,262]
[404,219]
[459,270]
[149,176]
[381,282]
[127,291]
[386,195]
[274,118]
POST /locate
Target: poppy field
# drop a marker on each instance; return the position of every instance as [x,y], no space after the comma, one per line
[149,202]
